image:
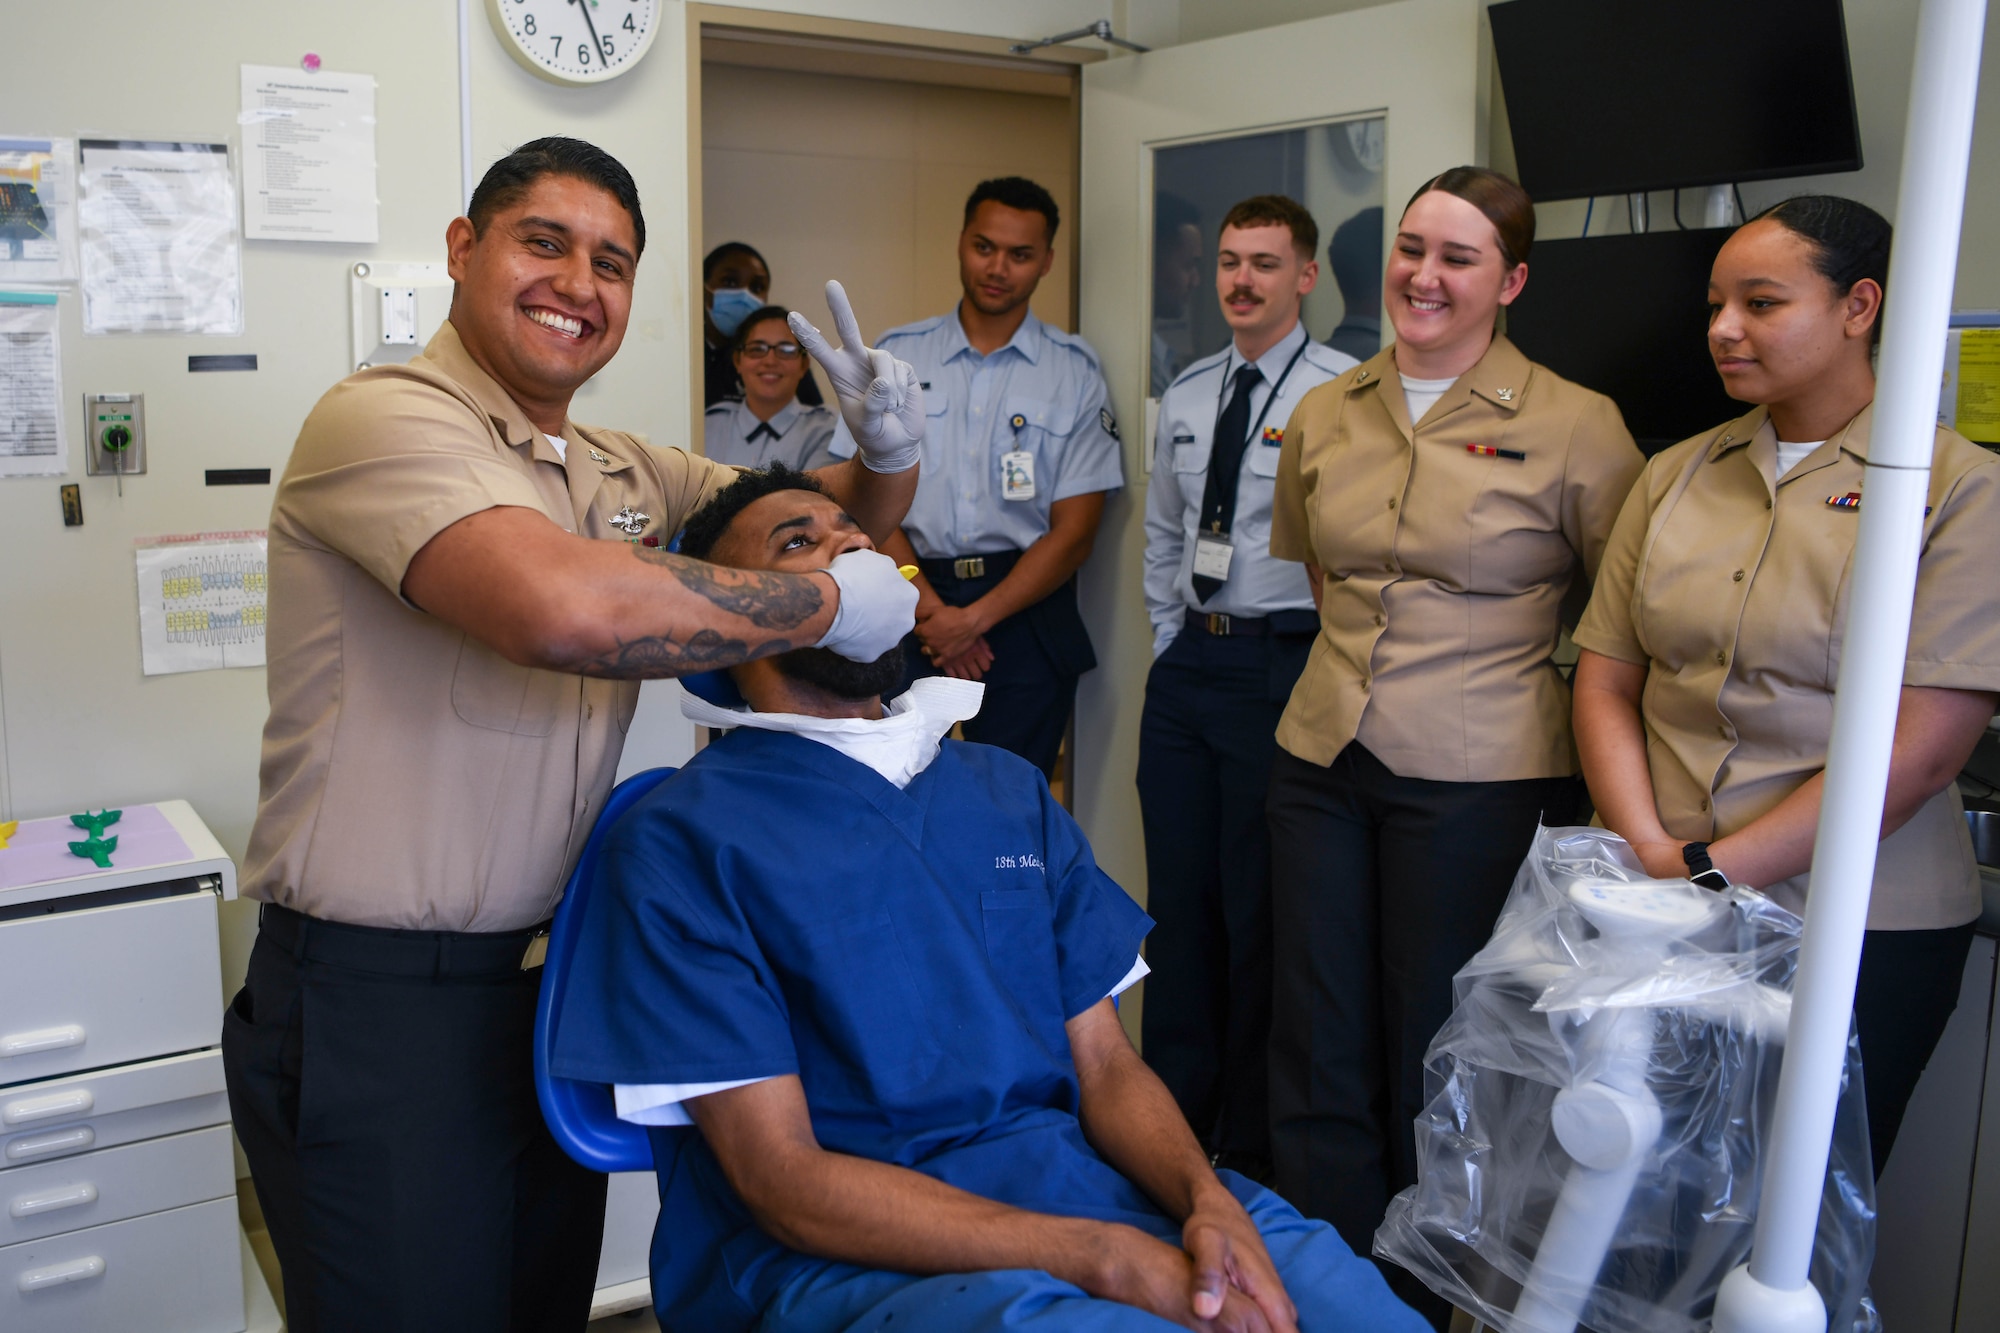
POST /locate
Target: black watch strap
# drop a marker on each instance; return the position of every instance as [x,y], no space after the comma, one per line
[1701,869]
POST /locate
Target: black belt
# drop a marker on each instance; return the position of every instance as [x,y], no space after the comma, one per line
[1278,622]
[993,565]
[402,953]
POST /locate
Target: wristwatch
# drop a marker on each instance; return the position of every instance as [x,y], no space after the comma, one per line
[1702,870]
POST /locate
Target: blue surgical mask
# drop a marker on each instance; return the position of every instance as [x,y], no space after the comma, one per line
[732,306]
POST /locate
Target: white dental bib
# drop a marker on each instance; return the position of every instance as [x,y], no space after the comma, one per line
[898,745]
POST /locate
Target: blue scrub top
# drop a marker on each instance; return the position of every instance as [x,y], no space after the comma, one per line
[1042,394]
[912,955]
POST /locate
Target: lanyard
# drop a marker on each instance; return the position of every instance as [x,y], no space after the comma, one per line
[1269,398]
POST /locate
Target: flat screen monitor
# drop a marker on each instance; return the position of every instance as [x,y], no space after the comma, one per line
[1619,96]
[1628,317]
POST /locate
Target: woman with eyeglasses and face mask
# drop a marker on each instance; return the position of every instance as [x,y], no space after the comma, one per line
[1449,497]
[769,424]
[1704,693]
[735,281]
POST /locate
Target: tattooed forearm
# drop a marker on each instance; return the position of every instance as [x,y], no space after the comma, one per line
[766,600]
[661,655]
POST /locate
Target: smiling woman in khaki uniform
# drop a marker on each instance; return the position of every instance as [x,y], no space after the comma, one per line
[1446,495]
[1704,697]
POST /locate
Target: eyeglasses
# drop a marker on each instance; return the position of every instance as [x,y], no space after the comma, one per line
[757,351]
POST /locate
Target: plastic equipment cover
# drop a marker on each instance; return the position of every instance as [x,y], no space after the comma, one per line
[1689,1017]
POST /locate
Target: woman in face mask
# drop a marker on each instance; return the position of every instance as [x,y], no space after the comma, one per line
[735,281]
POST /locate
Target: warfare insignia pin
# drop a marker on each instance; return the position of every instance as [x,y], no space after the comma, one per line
[598,458]
[1109,422]
[630,521]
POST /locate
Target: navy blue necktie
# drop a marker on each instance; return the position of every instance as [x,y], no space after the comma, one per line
[1225,462]
[763,428]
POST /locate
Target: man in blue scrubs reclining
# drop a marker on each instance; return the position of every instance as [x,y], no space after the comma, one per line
[876,970]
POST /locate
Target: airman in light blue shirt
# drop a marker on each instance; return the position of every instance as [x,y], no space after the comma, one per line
[1041,394]
[1232,629]
[1257,584]
[1019,451]
[796,435]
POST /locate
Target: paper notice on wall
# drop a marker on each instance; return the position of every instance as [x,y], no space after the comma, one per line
[37,210]
[156,229]
[202,601]
[1978,416]
[33,442]
[308,155]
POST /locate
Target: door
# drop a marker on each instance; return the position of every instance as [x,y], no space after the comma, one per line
[1421,67]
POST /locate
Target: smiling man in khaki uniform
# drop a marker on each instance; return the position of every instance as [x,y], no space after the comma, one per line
[466,588]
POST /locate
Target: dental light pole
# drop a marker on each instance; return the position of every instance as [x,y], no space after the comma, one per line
[1770,1294]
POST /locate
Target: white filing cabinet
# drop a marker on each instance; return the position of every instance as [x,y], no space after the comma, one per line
[117,1184]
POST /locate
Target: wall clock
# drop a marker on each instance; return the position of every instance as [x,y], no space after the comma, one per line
[576,42]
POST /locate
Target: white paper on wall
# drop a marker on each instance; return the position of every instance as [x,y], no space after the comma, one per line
[156,228]
[202,600]
[33,442]
[308,155]
[37,209]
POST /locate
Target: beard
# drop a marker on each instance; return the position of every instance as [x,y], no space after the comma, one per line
[843,677]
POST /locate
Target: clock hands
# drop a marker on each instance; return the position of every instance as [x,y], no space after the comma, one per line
[596,43]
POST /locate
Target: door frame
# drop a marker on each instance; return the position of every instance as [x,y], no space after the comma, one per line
[809,43]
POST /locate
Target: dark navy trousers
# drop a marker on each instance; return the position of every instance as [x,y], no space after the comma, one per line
[1206,744]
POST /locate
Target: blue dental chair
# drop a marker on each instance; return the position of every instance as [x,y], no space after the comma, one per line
[581,1115]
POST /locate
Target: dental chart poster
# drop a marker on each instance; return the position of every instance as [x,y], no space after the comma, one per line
[37,210]
[308,155]
[32,440]
[202,601]
[156,227]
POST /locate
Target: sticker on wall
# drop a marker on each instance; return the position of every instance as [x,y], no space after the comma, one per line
[202,601]
[156,226]
[37,210]
[308,154]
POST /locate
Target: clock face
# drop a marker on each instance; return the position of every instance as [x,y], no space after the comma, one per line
[576,41]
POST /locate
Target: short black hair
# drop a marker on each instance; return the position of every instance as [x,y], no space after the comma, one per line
[706,526]
[1850,241]
[726,249]
[508,181]
[754,318]
[1014,192]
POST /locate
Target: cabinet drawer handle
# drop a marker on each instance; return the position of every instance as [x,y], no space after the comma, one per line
[74,1101]
[40,1145]
[46,1039]
[69,1196]
[56,1275]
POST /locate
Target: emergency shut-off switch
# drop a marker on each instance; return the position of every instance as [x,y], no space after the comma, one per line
[115,434]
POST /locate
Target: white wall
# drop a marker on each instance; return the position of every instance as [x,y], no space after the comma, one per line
[78,723]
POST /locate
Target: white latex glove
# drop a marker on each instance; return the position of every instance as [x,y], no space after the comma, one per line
[878,606]
[880,398]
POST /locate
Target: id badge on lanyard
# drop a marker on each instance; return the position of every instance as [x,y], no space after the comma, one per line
[1212,554]
[1213,551]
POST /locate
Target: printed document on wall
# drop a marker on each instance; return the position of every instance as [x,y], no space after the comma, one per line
[37,210]
[202,601]
[33,442]
[156,226]
[308,155]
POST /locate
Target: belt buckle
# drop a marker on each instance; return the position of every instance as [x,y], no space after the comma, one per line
[969,567]
[1218,624]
